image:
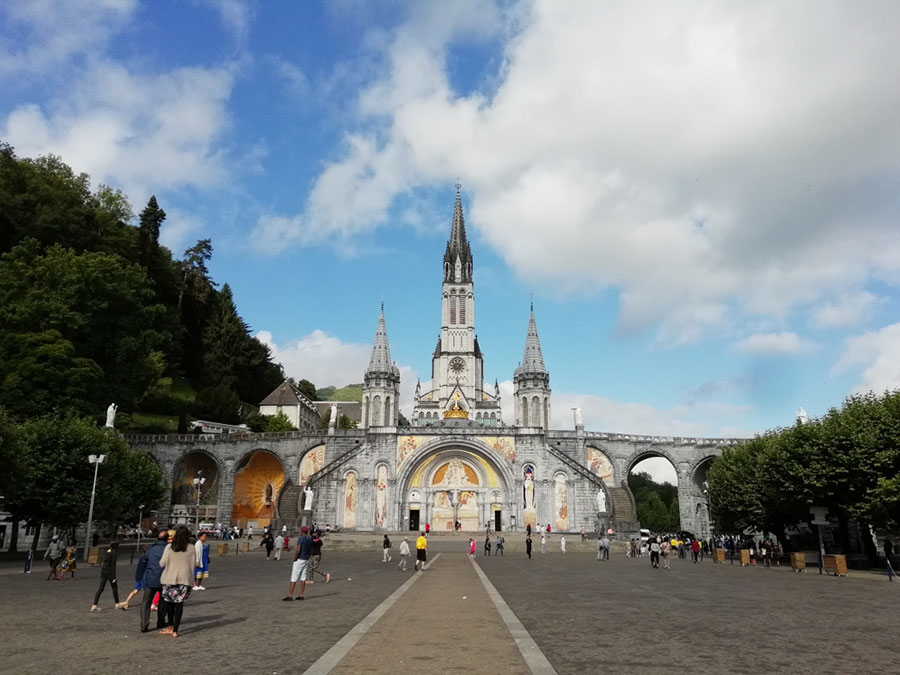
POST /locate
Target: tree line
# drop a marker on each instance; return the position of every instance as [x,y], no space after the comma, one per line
[847,461]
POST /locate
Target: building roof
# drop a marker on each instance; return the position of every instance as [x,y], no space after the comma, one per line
[352,409]
[380,361]
[458,245]
[288,394]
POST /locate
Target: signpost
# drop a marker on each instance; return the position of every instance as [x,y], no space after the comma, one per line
[820,519]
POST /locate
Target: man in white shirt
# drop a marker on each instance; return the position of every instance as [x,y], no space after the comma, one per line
[279,545]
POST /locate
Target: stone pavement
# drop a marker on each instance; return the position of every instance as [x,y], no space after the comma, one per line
[583,615]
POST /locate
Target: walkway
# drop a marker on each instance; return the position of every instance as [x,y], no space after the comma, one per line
[448,619]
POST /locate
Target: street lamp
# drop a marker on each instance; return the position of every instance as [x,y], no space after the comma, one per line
[199,480]
[140,527]
[96,460]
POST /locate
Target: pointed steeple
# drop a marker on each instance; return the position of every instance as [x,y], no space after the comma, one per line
[458,246]
[533,360]
[380,361]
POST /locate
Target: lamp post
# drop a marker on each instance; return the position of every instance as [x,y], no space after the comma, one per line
[96,460]
[140,526]
[199,480]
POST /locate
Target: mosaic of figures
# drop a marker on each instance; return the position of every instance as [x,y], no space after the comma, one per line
[256,484]
[561,503]
[350,501]
[503,446]
[453,503]
[599,463]
[529,513]
[312,462]
[381,496]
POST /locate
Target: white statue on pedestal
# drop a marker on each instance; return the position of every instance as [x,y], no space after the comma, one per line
[579,419]
[111,416]
[332,422]
[802,418]
[308,499]
[601,501]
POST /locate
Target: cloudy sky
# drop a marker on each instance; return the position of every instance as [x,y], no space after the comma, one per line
[701,199]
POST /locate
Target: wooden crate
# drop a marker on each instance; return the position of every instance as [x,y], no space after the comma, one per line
[94,555]
[745,557]
[222,549]
[836,565]
[245,547]
[719,555]
[798,561]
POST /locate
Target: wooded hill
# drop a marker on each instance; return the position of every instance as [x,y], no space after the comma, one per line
[94,310]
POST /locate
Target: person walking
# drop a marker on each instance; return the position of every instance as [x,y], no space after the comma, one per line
[269,542]
[543,543]
[404,554]
[654,553]
[315,558]
[54,553]
[562,544]
[299,570]
[137,579]
[695,550]
[664,552]
[471,547]
[599,549]
[528,545]
[421,552]
[108,574]
[605,547]
[149,571]
[177,577]
[279,545]
[69,560]
[201,572]
[386,549]
[487,546]
[583,534]
[528,529]
[498,545]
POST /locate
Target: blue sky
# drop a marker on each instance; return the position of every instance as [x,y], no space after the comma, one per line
[701,199]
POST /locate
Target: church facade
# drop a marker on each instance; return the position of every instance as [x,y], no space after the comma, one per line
[459,465]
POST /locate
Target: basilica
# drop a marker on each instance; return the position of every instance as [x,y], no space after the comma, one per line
[457,465]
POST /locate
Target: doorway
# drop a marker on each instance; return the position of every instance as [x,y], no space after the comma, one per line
[413,519]
[497,520]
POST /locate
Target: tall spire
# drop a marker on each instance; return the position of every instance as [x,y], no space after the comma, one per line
[380,362]
[458,245]
[533,360]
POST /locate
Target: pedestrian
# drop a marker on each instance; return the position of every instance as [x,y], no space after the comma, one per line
[421,551]
[633,549]
[201,564]
[54,553]
[498,545]
[299,570]
[695,550]
[763,552]
[599,549]
[528,545]
[606,547]
[315,558]
[386,549]
[583,534]
[654,553]
[543,543]
[528,529]
[108,574]
[404,553]
[269,542]
[487,545]
[471,547]
[70,560]
[562,544]
[177,577]
[548,530]
[279,545]
[249,533]
[664,552]
[149,572]
[427,528]
[138,573]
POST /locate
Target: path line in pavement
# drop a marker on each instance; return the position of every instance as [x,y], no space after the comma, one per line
[338,651]
[534,657]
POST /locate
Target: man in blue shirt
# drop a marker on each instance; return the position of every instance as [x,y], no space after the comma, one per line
[300,568]
[148,572]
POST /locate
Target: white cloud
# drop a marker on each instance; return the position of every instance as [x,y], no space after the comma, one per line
[177,230]
[236,16]
[846,310]
[50,33]
[691,156]
[326,360]
[879,353]
[774,344]
[142,132]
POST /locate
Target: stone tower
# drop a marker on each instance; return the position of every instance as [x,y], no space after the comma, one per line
[381,383]
[532,383]
[457,369]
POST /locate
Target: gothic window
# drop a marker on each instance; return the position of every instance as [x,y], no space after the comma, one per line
[546,413]
[462,309]
[376,412]
[388,413]
[536,411]
[524,412]
[452,309]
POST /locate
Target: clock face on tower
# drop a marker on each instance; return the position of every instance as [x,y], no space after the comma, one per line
[457,365]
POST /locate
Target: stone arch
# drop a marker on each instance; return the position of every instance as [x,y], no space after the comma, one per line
[182,495]
[311,461]
[258,479]
[644,453]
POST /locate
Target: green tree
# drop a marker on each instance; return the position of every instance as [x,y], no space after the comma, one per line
[308,389]
[279,422]
[657,503]
[151,219]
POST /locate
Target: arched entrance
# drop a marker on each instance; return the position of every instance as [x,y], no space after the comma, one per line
[191,503]
[700,497]
[653,481]
[257,481]
[456,487]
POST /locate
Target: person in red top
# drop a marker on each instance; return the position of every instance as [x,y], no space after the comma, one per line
[695,549]
[427,528]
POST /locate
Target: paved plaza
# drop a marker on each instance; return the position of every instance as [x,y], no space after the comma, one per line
[577,615]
